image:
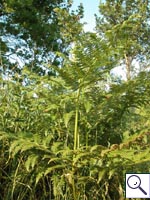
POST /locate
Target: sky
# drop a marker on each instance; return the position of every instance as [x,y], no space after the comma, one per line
[90,8]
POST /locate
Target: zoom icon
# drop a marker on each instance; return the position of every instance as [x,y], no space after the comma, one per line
[134,182]
[137,185]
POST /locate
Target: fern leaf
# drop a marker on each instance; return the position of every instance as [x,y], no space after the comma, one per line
[31,162]
[15,147]
[38,177]
[57,167]
[67,117]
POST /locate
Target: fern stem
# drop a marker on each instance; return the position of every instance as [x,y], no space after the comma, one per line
[76,134]
[14,180]
[87,138]
[76,130]
[74,190]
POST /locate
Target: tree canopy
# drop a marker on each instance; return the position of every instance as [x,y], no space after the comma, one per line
[125,26]
[35,30]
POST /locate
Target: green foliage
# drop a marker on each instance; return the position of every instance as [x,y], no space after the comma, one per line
[34,31]
[45,148]
[74,135]
[125,26]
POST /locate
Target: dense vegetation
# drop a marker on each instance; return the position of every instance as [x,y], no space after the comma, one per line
[69,127]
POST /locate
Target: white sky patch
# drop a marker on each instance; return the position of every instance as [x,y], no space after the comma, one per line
[90,8]
[119,72]
[35,95]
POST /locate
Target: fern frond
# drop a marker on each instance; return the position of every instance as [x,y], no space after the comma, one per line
[53,168]
[31,161]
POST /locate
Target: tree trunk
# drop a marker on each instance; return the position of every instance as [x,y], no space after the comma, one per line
[128,62]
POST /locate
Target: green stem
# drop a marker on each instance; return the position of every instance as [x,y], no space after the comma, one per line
[74,191]
[76,134]
[87,138]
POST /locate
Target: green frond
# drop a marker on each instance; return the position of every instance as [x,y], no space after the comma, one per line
[31,162]
[101,174]
[67,117]
[55,167]
[56,146]
[16,147]
[81,155]
[39,176]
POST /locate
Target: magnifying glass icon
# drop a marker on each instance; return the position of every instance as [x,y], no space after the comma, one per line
[134,182]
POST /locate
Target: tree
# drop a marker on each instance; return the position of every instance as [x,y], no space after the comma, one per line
[125,26]
[32,32]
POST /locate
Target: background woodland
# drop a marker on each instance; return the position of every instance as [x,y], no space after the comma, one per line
[70,128]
